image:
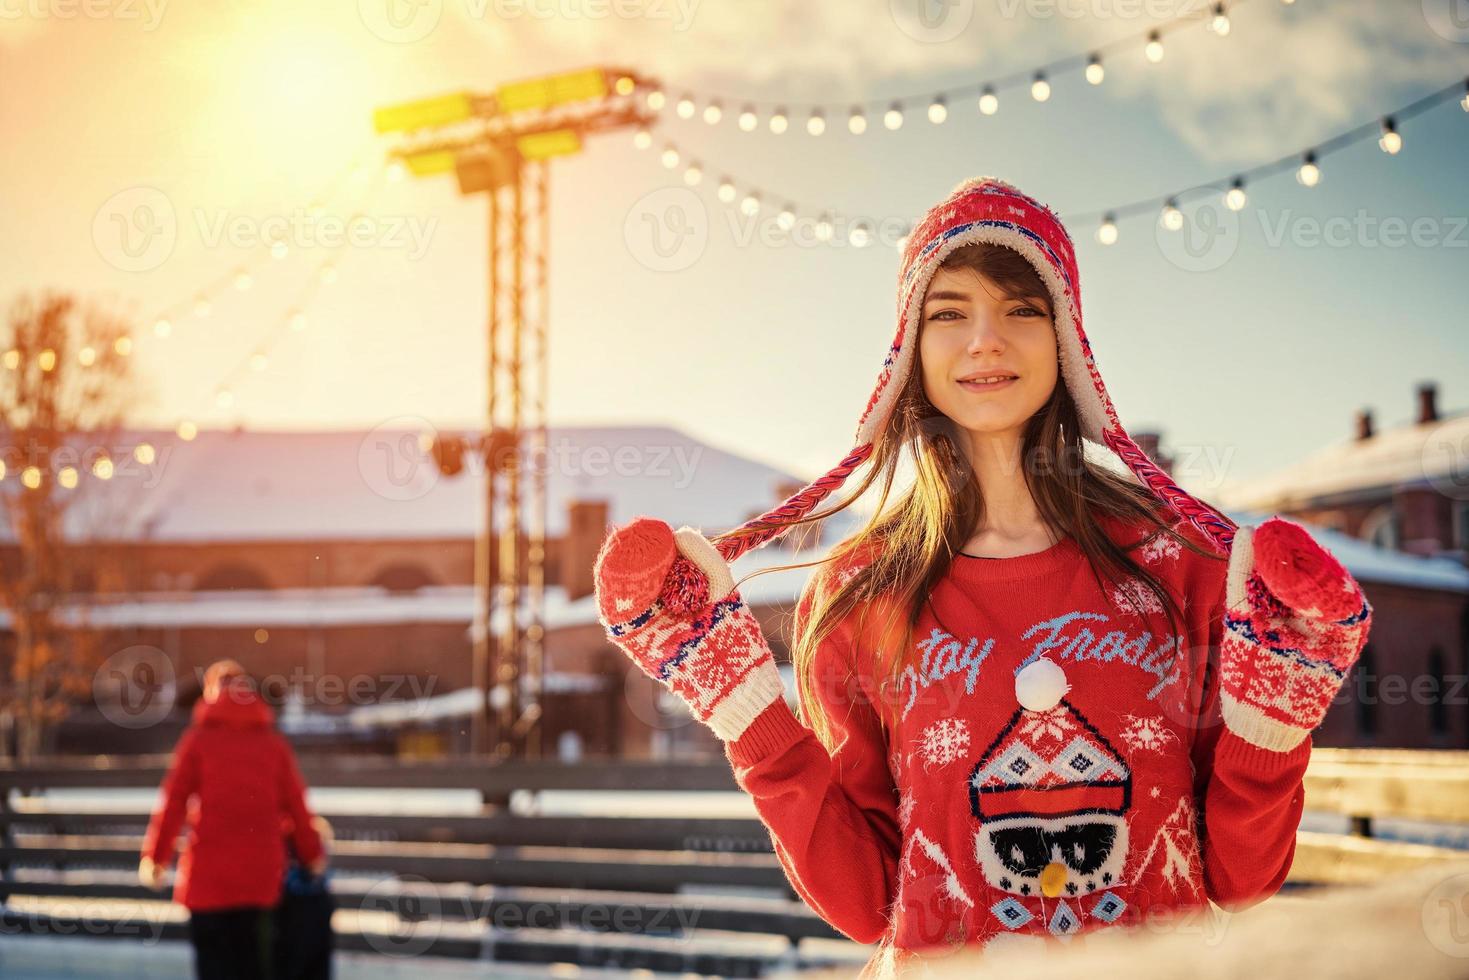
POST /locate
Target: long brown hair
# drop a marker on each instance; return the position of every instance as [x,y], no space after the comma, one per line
[895,560]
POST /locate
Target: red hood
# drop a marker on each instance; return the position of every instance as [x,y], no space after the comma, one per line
[234,709]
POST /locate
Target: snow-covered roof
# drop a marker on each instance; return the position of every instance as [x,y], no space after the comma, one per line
[239,485]
[371,605]
[1369,563]
[1425,453]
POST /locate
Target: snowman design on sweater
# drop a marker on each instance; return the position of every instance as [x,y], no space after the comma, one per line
[1051,796]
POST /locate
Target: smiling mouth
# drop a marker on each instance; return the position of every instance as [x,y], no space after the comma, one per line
[989,384]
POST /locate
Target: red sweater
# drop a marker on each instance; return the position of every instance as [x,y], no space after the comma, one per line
[234,779]
[973,818]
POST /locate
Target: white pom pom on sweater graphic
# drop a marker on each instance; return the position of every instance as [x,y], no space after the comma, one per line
[1040,685]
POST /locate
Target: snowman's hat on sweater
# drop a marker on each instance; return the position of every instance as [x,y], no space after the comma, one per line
[989,210]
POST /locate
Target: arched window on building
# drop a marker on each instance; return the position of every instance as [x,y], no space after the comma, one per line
[1381,527]
[1438,712]
[403,577]
[1366,698]
[231,575]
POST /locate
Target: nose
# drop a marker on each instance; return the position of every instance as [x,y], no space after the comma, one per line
[986,335]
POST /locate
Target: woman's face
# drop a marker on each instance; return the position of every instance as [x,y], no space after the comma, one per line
[970,329]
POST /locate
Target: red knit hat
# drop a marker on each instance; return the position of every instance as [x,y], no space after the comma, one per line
[979,210]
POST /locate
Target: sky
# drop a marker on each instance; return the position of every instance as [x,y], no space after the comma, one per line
[151,148]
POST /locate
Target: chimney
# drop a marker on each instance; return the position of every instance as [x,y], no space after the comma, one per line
[1427,402]
[586,528]
[1364,424]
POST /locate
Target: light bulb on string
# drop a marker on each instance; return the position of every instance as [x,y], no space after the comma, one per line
[816,123]
[748,119]
[670,156]
[243,280]
[693,174]
[1107,231]
[779,121]
[202,306]
[297,320]
[656,99]
[162,328]
[1040,89]
[713,112]
[787,217]
[279,249]
[87,356]
[102,468]
[1234,198]
[893,118]
[1219,24]
[642,139]
[856,122]
[751,204]
[1464,102]
[123,346]
[258,361]
[1154,48]
[824,227]
[860,236]
[989,102]
[1391,140]
[224,398]
[624,85]
[726,192]
[1094,70]
[1309,174]
[328,272]
[1172,217]
[938,111]
[396,171]
[685,108]
[187,430]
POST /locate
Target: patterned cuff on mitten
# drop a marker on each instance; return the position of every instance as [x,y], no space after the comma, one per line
[1280,667]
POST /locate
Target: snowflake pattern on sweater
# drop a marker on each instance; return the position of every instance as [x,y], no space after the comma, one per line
[1118,795]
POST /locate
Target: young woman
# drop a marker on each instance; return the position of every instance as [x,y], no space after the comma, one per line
[1041,696]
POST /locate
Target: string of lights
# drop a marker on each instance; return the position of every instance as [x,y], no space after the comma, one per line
[893,112]
[1306,163]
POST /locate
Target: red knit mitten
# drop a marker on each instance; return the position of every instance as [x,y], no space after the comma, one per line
[1294,623]
[666,599]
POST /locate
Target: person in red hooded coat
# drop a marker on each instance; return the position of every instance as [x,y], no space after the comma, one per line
[234,781]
